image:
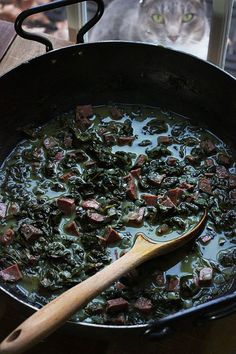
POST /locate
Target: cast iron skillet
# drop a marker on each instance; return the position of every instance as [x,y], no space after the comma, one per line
[125,72]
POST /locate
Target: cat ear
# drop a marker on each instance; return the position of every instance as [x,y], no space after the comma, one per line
[143,2]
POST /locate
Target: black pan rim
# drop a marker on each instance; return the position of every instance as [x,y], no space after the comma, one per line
[116,44]
[120,43]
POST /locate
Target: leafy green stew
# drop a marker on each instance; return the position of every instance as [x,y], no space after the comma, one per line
[77,190]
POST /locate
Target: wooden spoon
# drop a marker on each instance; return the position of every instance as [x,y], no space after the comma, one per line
[55,313]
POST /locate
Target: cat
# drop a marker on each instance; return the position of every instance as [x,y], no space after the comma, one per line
[178,24]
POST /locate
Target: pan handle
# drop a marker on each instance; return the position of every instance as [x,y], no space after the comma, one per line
[50,6]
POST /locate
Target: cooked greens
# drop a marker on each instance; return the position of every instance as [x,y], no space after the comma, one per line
[77,190]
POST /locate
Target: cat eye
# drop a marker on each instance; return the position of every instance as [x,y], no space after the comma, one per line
[158,18]
[187,17]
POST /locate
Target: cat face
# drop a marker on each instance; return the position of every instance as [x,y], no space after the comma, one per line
[171,22]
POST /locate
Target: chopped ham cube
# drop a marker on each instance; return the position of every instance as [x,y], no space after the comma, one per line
[67,176]
[208,146]
[141,159]
[204,185]
[206,238]
[68,141]
[33,259]
[78,156]
[205,276]
[11,273]
[221,172]
[82,115]
[163,229]
[59,156]
[136,217]
[96,218]
[13,209]
[115,113]
[150,199]
[208,163]
[66,205]
[155,179]
[223,159]
[173,284]
[120,286]
[171,161]
[232,182]
[6,237]
[90,204]
[71,228]
[125,140]
[3,209]
[96,309]
[163,139]
[192,160]
[185,185]
[84,111]
[109,139]
[132,189]
[160,279]
[84,123]
[175,195]
[111,236]
[136,173]
[30,231]
[144,305]
[166,202]
[117,305]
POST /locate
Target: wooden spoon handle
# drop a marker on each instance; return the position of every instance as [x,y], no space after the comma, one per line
[54,314]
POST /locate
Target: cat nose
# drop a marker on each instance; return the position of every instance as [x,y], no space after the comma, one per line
[173,38]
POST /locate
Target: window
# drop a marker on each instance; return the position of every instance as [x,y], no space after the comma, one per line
[185,28]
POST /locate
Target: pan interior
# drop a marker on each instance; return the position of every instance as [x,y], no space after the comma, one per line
[148,125]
